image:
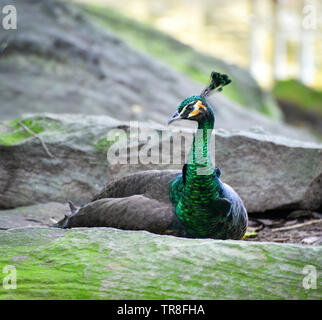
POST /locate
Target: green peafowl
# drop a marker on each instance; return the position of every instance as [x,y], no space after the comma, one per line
[192,203]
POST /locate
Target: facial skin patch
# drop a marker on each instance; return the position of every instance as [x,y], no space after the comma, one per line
[198,105]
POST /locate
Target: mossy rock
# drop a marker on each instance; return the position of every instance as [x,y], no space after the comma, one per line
[301,105]
[13,132]
[47,158]
[308,99]
[105,263]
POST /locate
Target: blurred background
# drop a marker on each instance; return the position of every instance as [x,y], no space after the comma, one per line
[270,48]
[273,39]
[278,41]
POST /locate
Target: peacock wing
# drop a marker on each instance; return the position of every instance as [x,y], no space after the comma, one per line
[153,184]
[136,212]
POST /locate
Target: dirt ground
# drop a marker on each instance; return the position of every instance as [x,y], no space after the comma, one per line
[300,227]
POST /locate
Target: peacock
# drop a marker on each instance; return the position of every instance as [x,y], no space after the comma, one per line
[192,203]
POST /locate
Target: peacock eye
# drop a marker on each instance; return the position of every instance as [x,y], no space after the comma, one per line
[190,108]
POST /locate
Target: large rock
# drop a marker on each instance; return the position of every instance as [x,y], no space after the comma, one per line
[103,263]
[28,175]
[269,173]
[88,70]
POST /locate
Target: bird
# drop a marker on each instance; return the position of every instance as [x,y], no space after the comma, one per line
[192,202]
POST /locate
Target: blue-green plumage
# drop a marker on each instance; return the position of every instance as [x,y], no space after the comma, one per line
[204,205]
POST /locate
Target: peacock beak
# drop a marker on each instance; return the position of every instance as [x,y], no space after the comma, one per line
[174,117]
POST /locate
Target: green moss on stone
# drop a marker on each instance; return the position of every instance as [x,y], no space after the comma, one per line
[302,96]
[106,263]
[104,143]
[11,132]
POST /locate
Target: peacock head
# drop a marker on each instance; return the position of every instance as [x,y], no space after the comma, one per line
[196,108]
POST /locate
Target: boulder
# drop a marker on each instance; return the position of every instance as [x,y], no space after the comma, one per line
[28,175]
[269,172]
[89,70]
[103,263]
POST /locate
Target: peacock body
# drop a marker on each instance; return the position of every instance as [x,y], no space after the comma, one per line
[192,203]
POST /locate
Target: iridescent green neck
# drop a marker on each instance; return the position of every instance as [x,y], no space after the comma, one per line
[199,159]
[201,187]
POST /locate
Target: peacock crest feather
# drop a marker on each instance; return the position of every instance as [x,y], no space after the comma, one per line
[218,81]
